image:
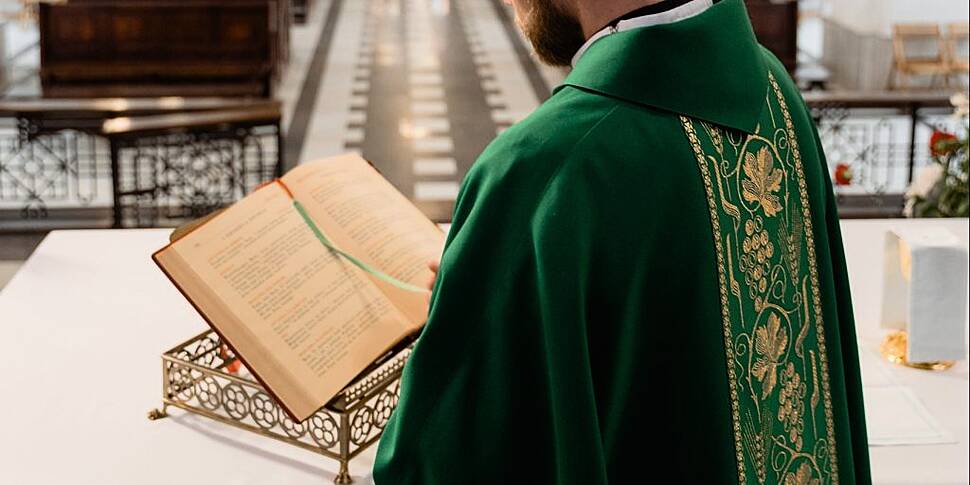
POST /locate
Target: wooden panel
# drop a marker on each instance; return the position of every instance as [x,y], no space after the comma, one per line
[111,48]
[776,26]
[301,10]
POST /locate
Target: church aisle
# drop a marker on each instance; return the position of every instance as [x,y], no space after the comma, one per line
[419,87]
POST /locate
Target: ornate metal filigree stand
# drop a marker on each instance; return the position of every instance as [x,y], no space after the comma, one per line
[203,376]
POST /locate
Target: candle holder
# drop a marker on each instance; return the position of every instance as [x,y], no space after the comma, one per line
[893,348]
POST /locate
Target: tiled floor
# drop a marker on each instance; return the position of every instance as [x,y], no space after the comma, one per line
[419,87]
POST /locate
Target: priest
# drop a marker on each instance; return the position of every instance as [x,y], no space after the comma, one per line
[644,281]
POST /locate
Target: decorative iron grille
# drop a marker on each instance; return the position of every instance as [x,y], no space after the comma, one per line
[884,147]
[80,177]
[40,170]
[167,179]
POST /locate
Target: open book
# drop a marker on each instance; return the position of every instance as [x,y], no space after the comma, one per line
[303,318]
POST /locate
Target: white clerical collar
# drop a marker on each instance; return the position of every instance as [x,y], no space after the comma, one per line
[685,11]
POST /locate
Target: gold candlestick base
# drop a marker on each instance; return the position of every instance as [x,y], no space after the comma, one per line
[893,348]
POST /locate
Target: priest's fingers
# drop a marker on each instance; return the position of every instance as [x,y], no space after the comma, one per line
[429,283]
[433,266]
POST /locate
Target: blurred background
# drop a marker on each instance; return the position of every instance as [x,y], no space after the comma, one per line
[117,113]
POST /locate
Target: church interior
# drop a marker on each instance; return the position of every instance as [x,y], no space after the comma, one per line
[121,120]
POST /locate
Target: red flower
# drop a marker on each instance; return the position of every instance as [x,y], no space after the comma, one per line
[843,174]
[937,138]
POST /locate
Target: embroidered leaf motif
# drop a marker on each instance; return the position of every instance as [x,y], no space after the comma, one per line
[802,476]
[768,286]
[762,181]
[770,343]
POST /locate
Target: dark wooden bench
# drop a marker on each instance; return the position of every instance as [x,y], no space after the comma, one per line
[92,48]
[775,24]
[878,99]
[301,10]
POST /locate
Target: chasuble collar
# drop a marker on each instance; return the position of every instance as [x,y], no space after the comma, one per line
[708,67]
[663,12]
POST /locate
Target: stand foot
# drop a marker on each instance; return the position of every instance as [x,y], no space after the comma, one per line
[344,475]
[156,414]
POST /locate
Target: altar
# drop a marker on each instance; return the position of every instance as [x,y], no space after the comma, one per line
[83,323]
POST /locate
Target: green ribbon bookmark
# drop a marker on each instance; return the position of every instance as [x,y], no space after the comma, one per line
[360,264]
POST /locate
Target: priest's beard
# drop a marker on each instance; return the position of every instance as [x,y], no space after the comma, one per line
[555,34]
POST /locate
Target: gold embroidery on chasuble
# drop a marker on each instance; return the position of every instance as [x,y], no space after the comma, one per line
[772,317]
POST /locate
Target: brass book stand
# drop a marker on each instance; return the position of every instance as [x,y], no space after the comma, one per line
[203,376]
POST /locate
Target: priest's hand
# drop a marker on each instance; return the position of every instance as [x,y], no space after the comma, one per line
[433,266]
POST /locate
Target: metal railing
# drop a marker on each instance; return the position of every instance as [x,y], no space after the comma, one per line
[56,159]
[884,138]
[130,162]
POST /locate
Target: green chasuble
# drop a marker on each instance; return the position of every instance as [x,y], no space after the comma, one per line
[644,282]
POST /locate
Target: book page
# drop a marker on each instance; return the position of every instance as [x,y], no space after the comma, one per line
[364,215]
[305,320]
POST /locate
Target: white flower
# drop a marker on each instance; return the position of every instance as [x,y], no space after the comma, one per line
[928,177]
[961,103]
[921,187]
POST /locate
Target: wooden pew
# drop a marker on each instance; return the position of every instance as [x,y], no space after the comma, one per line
[92,48]
[776,26]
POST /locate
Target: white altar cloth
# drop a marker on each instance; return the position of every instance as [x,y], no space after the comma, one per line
[82,326]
